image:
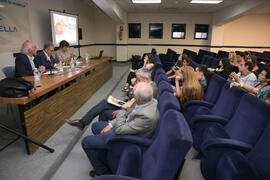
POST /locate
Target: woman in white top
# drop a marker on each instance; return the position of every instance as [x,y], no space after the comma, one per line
[62,54]
[149,62]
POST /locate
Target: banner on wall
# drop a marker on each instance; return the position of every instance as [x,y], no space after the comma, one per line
[14,24]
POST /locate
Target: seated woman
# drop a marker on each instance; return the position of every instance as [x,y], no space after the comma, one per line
[232,57]
[186,61]
[148,64]
[260,88]
[191,88]
[62,54]
[178,64]
[239,59]
[253,59]
[224,69]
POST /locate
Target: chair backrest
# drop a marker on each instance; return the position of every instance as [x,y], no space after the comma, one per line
[214,63]
[214,87]
[167,100]
[163,158]
[259,156]
[9,71]
[228,101]
[249,120]
[164,86]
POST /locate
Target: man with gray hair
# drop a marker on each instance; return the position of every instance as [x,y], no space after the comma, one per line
[24,62]
[45,57]
[137,117]
[105,110]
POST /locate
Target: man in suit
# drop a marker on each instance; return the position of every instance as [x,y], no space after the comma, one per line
[105,110]
[45,58]
[24,62]
[138,116]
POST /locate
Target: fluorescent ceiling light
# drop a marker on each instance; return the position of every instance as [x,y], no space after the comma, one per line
[206,1]
[1,6]
[146,1]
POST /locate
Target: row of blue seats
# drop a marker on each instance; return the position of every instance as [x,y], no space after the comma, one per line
[230,120]
[158,158]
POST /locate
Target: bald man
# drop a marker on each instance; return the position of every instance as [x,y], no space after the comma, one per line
[24,62]
[138,117]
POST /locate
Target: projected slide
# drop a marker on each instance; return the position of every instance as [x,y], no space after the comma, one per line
[64,27]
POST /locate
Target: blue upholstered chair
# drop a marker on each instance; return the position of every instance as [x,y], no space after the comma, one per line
[167,100]
[163,157]
[241,133]
[215,85]
[9,71]
[164,86]
[235,165]
[221,112]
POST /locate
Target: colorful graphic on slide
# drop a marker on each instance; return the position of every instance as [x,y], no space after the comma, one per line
[59,26]
[65,28]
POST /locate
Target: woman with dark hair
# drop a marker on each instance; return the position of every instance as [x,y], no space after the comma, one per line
[253,59]
[224,68]
[185,61]
[62,54]
[261,87]
[191,88]
[148,64]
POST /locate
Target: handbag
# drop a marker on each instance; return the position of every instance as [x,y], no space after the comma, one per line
[15,87]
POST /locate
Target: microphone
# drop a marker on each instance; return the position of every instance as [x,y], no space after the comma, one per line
[50,66]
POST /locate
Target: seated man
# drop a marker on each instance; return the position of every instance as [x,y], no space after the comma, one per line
[104,109]
[45,57]
[24,62]
[137,117]
[245,75]
[201,72]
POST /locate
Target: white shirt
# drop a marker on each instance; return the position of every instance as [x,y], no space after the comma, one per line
[48,58]
[31,60]
[248,79]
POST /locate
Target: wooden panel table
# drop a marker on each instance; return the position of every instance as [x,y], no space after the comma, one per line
[42,119]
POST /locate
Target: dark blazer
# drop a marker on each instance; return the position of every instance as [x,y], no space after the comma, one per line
[23,66]
[41,59]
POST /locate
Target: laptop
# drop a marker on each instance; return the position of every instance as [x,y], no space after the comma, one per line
[98,57]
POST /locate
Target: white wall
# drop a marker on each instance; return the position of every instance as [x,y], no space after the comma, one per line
[249,30]
[168,19]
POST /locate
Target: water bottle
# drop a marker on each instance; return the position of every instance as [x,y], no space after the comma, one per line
[86,57]
[61,67]
[36,75]
[72,64]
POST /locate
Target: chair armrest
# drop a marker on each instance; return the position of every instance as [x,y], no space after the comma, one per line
[127,139]
[225,143]
[208,118]
[198,103]
[113,177]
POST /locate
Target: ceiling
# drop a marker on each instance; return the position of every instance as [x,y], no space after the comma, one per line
[174,6]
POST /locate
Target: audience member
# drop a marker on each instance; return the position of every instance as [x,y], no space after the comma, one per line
[186,61]
[267,100]
[261,87]
[45,57]
[191,88]
[245,76]
[201,72]
[105,110]
[24,62]
[224,69]
[148,63]
[62,54]
[138,117]
[253,59]
[232,57]
[178,64]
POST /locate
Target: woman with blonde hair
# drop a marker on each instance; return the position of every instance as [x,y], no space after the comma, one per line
[191,88]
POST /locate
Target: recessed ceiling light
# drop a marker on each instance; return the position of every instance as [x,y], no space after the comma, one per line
[1,6]
[146,1]
[206,1]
